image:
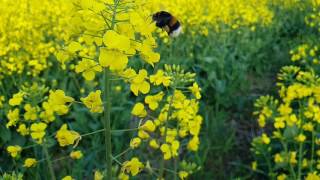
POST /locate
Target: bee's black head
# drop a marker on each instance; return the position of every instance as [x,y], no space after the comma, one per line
[162,18]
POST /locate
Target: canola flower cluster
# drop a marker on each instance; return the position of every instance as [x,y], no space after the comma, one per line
[288,147]
[290,151]
[103,40]
[202,16]
[30,33]
[313,18]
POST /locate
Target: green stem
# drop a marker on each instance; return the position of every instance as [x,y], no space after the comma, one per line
[175,168]
[165,132]
[107,122]
[51,171]
[300,160]
[285,146]
[312,152]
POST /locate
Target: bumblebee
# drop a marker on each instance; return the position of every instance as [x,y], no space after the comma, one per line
[167,22]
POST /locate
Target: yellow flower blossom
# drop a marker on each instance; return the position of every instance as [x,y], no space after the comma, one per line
[113,40]
[93,102]
[153,101]
[139,84]
[149,126]
[16,99]
[30,162]
[183,175]
[14,151]
[135,142]
[139,110]
[278,158]
[195,89]
[67,178]
[66,137]
[38,131]
[153,143]
[76,154]
[254,165]
[98,175]
[143,134]
[265,139]
[159,78]
[134,166]
[193,144]
[88,68]
[312,176]
[31,112]
[170,150]
[300,138]
[57,102]
[23,130]
[13,117]
[282,177]
[113,59]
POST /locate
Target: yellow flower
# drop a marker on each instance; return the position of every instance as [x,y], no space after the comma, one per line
[170,151]
[30,162]
[38,131]
[292,120]
[292,158]
[265,139]
[254,165]
[138,110]
[135,142]
[284,109]
[153,143]
[149,126]
[88,68]
[159,78]
[143,135]
[308,127]
[16,99]
[31,112]
[183,174]
[76,154]
[113,59]
[312,176]
[278,158]
[134,166]
[66,137]
[113,40]
[195,90]
[74,46]
[2,98]
[300,138]
[67,178]
[93,102]
[14,150]
[13,117]
[147,53]
[139,84]
[193,144]
[98,175]
[153,101]
[57,102]
[123,176]
[23,130]
[282,177]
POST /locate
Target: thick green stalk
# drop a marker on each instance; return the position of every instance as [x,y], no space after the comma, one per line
[107,121]
[49,163]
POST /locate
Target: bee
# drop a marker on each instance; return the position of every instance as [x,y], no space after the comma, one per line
[167,22]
